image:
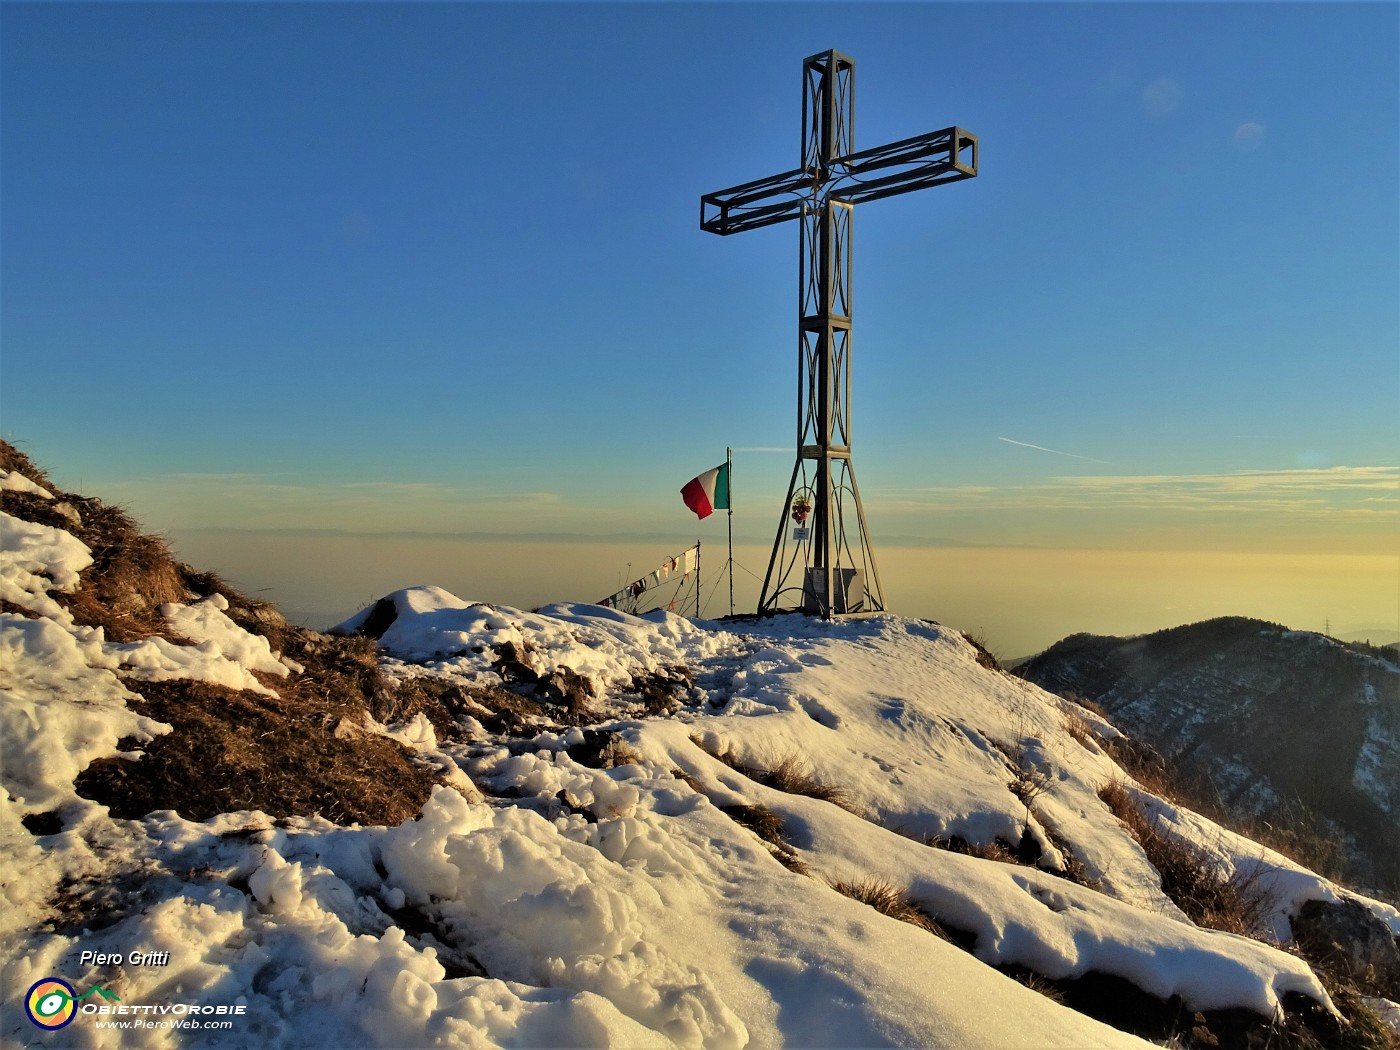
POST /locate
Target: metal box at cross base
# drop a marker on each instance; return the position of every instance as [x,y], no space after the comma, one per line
[850,591]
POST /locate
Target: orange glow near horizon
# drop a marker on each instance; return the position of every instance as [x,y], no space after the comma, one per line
[1019,600]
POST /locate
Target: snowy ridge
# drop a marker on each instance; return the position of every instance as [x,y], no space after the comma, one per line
[459,639]
[558,903]
[1266,715]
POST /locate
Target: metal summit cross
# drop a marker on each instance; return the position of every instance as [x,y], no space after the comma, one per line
[838,567]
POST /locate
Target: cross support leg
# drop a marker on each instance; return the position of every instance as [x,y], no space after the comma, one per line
[828,567]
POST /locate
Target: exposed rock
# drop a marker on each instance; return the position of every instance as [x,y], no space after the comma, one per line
[560,688]
[566,687]
[42,823]
[380,619]
[349,729]
[602,750]
[513,664]
[1348,937]
[259,616]
[68,512]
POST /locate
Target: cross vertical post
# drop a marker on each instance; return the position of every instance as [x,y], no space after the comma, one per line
[837,573]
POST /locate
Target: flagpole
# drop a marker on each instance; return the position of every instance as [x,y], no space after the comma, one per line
[697,579]
[729,464]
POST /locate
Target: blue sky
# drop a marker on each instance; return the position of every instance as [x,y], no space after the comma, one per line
[437,267]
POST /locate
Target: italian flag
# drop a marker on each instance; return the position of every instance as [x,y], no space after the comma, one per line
[709,492]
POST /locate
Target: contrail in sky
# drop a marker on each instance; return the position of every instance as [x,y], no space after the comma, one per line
[1056,451]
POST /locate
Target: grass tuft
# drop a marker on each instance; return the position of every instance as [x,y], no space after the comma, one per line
[985,657]
[761,820]
[792,773]
[1080,731]
[768,826]
[688,780]
[789,772]
[1080,700]
[999,850]
[1036,982]
[892,901]
[1291,828]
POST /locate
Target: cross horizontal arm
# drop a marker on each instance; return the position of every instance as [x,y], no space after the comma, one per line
[938,157]
[753,204]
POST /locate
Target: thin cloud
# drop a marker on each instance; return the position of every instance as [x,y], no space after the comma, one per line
[214,477]
[1161,97]
[1249,136]
[1317,479]
[1331,491]
[1054,451]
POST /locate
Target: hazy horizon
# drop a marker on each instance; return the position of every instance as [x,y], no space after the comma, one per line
[1017,600]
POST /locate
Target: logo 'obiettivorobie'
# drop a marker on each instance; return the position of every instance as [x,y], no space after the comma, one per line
[52,1002]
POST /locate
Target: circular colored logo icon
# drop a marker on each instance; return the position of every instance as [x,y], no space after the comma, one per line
[50,1003]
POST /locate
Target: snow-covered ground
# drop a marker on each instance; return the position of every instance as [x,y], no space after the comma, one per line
[617,906]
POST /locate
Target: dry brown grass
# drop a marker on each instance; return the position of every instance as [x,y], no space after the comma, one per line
[1233,903]
[1364,1030]
[232,750]
[762,821]
[1146,766]
[1004,852]
[999,850]
[1085,702]
[133,573]
[1036,982]
[229,749]
[1296,831]
[341,675]
[727,755]
[1291,829]
[1028,784]
[792,773]
[769,827]
[890,900]
[985,657]
[1080,730]
[445,703]
[789,772]
[688,780]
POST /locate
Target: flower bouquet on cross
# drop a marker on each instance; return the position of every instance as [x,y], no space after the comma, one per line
[801,507]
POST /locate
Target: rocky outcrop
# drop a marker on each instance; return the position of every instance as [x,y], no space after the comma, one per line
[1348,937]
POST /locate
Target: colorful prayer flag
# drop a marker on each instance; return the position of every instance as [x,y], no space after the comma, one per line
[709,492]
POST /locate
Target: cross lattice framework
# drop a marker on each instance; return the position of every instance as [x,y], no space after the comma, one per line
[838,565]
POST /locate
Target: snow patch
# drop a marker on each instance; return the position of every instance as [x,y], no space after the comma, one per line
[14,481]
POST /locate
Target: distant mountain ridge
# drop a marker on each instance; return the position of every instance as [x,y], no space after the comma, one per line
[1269,716]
